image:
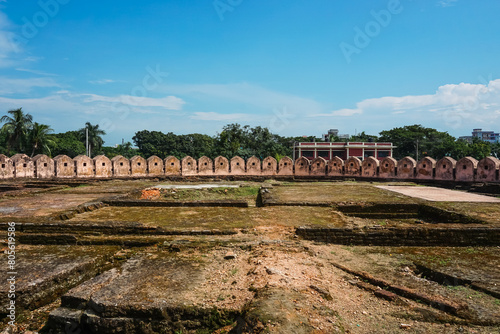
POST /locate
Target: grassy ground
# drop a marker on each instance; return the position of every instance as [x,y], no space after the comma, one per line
[247,193]
[398,266]
[112,186]
[284,267]
[216,218]
[337,192]
[489,212]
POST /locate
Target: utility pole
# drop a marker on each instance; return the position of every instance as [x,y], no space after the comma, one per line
[417,152]
[87,141]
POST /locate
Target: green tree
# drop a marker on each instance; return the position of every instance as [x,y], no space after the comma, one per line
[39,139]
[433,143]
[196,145]
[16,129]
[156,143]
[231,140]
[411,139]
[3,143]
[363,137]
[286,144]
[94,137]
[461,148]
[246,141]
[495,150]
[68,143]
[125,150]
[261,142]
[479,149]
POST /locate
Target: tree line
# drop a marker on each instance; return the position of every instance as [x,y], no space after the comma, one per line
[20,134]
[234,139]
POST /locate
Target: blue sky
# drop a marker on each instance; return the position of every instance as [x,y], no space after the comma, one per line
[297,67]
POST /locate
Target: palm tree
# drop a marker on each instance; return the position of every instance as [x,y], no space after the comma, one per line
[39,138]
[16,128]
[94,137]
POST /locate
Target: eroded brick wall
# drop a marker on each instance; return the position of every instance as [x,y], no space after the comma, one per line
[446,169]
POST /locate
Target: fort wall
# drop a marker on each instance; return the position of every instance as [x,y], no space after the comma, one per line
[446,169]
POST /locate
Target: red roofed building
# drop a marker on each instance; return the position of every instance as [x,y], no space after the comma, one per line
[342,150]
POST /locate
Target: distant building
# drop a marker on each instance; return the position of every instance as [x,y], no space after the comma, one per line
[489,136]
[342,150]
[335,133]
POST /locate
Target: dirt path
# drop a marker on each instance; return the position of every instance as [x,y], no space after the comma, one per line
[439,194]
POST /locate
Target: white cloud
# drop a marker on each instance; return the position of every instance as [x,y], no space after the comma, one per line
[91,104]
[169,102]
[37,72]
[16,86]
[213,116]
[33,59]
[102,81]
[447,3]
[452,105]
[281,112]
[4,21]
[7,45]
[346,112]
[65,110]
[57,105]
[248,94]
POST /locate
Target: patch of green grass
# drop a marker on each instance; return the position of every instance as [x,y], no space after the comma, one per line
[487,212]
[219,193]
[234,271]
[337,192]
[444,262]
[214,217]
[203,331]
[340,322]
